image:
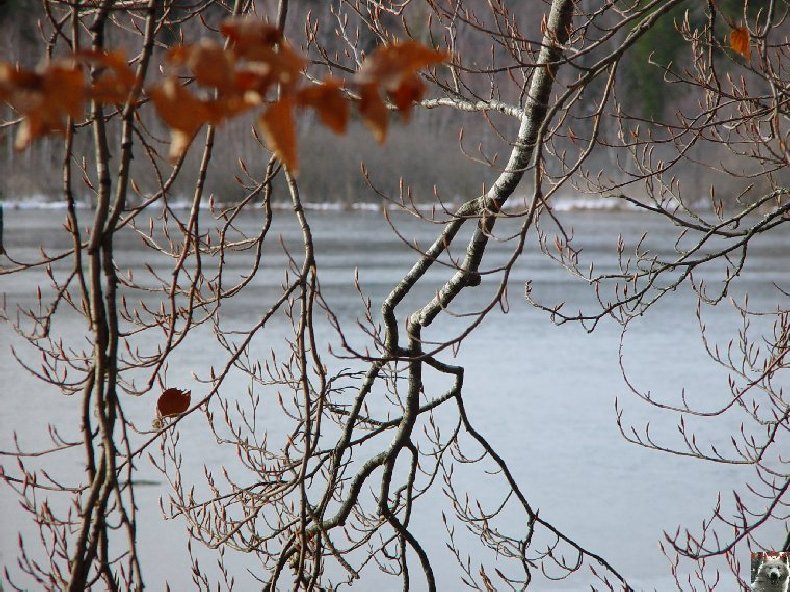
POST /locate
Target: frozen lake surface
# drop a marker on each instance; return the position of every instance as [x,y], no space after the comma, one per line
[543,395]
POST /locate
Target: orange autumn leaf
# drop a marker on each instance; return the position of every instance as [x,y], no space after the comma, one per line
[44,98]
[63,90]
[58,88]
[283,65]
[328,101]
[209,63]
[411,90]
[254,78]
[259,42]
[248,35]
[287,64]
[739,42]
[231,105]
[179,144]
[173,402]
[390,65]
[114,80]
[183,112]
[279,131]
[373,111]
[12,79]
[178,107]
[394,68]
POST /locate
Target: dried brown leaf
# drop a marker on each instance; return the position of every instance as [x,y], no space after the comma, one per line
[248,35]
[328,101]
[279,130]
[410,90]
[114,79]
[389,65]
[179,144]
[173,402]
[209,63]
[373,111]
[45,97]
[179,108]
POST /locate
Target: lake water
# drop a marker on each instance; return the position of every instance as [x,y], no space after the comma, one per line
[543,395]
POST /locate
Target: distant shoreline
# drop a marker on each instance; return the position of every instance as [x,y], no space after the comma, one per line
[558,204]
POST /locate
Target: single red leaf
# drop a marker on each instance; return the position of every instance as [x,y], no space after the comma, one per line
[739,42]
[173,402]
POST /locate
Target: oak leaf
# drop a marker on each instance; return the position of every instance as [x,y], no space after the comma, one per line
[63,90]
[279,130]
[739,42]
[173,402]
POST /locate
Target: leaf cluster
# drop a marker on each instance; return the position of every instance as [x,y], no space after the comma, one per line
[208,83]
